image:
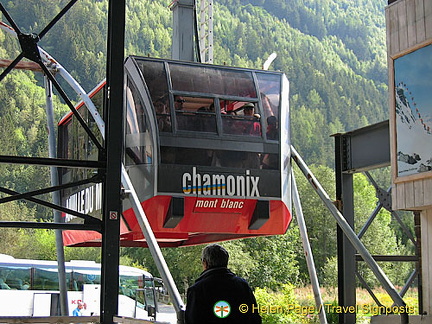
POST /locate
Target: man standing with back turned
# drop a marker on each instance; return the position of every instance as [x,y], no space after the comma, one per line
[218,295]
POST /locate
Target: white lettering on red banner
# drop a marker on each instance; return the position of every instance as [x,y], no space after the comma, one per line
[220,184]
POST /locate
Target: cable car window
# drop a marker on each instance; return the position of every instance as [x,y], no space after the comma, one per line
[79,145]
[270,89]
[163,116]
[240,118]
[156,81]
[139,148]
[155,78]
[75,142]
[208,157]
[195,114]
[236,159]
[186,156]
[219,81]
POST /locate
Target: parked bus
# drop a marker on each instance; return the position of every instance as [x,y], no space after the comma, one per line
[31,288]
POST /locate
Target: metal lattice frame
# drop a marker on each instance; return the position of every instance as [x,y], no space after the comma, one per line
[354,153]
[384,201]
[109,164]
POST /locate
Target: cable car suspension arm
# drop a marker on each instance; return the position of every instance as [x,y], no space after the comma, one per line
[153,246]
[308,252]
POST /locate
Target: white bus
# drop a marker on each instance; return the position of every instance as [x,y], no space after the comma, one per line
[31,288]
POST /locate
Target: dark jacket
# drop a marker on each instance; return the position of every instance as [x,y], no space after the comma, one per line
[220,284]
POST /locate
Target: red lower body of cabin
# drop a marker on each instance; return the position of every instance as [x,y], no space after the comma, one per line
[195,220]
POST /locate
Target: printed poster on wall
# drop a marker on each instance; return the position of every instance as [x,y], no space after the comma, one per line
[413,94]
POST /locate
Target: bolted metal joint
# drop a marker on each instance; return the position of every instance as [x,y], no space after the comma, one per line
[384,198]
[29,46]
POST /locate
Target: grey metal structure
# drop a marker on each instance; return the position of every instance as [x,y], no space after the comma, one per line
[352,154]
[206,31]
[184,30]
[348,231]
[52,152]
[114,152]
[362,150]
[109,164]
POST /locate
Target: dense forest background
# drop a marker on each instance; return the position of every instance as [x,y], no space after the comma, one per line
[333,52]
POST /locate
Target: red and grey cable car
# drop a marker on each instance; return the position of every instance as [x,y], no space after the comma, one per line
[207,149]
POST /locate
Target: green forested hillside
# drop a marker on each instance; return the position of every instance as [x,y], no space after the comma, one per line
[333,52]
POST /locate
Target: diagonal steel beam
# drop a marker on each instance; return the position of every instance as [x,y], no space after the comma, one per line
[9,18]
[41,202]
[11,66]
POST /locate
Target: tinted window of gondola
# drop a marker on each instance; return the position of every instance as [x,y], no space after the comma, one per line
[139,147]
[156,81]
[270,89]
[195,114]
[219,81]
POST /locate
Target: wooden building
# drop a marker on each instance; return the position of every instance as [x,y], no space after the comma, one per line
[409,48]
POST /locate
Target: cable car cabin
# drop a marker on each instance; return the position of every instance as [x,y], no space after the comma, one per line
[206,147]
